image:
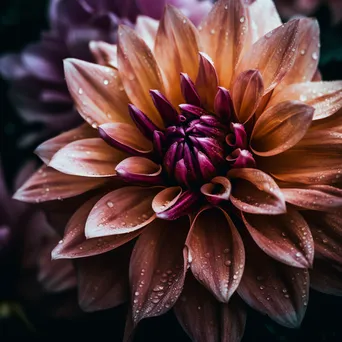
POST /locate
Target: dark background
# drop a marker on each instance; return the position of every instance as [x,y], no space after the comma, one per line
[21,21]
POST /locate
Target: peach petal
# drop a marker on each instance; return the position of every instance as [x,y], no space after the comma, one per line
[105,54]
[147,29]
[166,199]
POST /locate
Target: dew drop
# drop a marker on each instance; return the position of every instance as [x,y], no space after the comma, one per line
[80,91]
[242,19]
[314,56]
[105,82]
[110,204]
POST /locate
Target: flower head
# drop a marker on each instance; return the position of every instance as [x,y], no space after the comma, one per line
[214,149]
[38,88]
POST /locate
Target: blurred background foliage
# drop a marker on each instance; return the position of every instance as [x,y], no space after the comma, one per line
[21,22]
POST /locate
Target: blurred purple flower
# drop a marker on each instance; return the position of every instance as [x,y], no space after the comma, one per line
[38,89]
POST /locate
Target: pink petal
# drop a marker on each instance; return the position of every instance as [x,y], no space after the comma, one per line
[49,148]
[255,192]
[74,243]
[103,280]
[273,54]
[176,51]
[217,253]
[281,127]
[222,36]
[139,72]
[104,53]
[286,238]
[205,319]
[157,268]
[87,158]
[325,97]
[97,91]
[121,211]
[48,184]
[274,289]
[247,92]
[316,197]
[147,29]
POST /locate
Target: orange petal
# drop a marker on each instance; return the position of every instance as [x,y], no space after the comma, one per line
[139,72]
[104,53]
[176,51]
[255,192]
[325,97]
[217,253]
[166,199]
[97,91]
[47,184]
[286,238]
[147,29]
[158,264]
[272,288]
[206,82]
[121,211]
[222,37]
[327,141]
[87,158]
[281,127]
[247,92]
[307,54]
[74,243]
[273,54]
[49,148]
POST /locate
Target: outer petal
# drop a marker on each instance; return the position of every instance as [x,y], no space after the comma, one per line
[139,72]
[104,53]
[325,97]
[316,197]
[217,252]
[274,289]
[254,192]
[222,36]
[307,54]
[157,268]
[103,280]
[206,320]
[47,149]
[97,91]
[48,184]
[247,92]
[286,238]
[273,55]
[121,211]
[75,244]
[126,138]
[176,51]
[147,29]
[87,158]
[326,277]
[281,127]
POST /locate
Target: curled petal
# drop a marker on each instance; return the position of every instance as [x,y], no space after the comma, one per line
[281,127]
[103,280]
[223,104]
[273,54]
[97,91]
[166,199]
[126,138]
[247,92]
[139,72]
[189,91]
[196,307]
[274,289]
[158,264]
[217,252]
[286,238]
[47,149]
[121,211]
[47,184]
[324,97]
[222,36]
[217,190]
[87,158]
[206,82]
[255,192]
[316,197]
[74,243]
[147,29]
[238,137]
[176,51]
[241,159]
[139,170]
[104,53]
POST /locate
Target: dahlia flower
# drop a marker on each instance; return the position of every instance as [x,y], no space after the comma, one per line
[209,166]
[38,89]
